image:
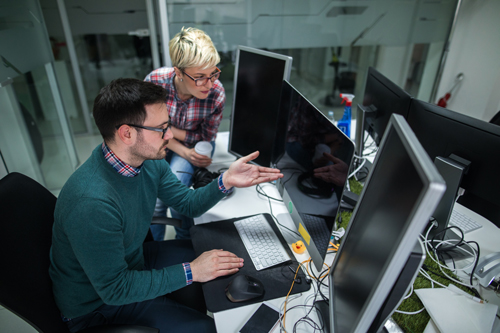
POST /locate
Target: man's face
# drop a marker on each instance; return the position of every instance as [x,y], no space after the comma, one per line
[201,91]
[150,145]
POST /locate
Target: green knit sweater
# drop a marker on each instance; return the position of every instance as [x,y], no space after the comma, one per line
[101,220]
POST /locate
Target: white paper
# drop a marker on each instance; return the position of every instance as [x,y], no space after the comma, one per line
[452,312]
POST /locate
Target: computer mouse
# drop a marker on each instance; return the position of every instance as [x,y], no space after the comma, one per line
[243,288]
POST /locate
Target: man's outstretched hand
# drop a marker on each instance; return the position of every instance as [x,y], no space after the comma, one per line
[243,174]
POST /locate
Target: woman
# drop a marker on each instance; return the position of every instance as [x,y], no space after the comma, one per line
[195,102]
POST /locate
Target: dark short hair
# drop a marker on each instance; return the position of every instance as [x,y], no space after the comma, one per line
[123,101]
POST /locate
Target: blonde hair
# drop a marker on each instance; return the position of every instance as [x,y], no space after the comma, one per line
[192,47]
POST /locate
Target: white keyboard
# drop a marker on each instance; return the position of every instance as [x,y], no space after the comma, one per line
[463,222]
[261,242]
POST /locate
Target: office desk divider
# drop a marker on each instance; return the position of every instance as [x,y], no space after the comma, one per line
[223,235]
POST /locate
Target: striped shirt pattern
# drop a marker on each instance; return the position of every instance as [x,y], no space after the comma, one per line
[221,185]
[187,271]
[121,167]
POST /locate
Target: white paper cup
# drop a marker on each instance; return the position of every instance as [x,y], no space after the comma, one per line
[203,148]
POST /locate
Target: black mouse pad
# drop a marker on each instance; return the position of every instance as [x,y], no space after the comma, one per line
[277,280]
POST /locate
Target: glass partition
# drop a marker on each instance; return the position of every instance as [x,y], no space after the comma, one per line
[35,137]
[332,42]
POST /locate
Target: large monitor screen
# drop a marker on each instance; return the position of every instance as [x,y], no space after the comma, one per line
[400,194]
[444,132]
[383,98]
[255,119]
[315,167]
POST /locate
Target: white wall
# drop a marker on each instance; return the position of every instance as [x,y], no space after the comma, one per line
[474,51]
[393,62]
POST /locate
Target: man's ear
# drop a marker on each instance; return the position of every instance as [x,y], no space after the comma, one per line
[126,134]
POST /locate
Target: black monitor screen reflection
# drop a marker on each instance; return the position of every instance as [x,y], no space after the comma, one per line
[315,167]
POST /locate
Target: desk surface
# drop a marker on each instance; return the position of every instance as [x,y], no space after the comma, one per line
[243,202]
[247,202]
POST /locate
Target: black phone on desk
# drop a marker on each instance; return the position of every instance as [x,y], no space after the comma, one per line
[263,320]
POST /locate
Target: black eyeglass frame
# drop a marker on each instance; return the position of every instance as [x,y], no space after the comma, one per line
[163,131]
[212,78]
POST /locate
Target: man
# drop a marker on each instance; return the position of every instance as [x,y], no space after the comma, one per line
[100,268]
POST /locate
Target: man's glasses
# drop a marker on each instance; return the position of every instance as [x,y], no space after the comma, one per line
[204,80]
[163,131]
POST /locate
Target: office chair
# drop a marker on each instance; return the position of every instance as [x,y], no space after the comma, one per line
[496,119]
[26,218]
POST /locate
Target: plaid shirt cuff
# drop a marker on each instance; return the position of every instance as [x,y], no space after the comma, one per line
[222,187]
[189,274]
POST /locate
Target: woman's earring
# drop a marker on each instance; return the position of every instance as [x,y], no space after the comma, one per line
[182,80]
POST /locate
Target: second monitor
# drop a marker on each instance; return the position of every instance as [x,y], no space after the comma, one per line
[315,167]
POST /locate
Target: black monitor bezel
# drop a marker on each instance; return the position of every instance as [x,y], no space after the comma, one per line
[432,189]
[269,159]
[384,98]
[443,132]
[317,257]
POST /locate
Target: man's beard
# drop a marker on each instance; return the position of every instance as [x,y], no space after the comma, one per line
[147,152]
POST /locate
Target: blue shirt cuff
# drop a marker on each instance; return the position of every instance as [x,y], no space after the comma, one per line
[189,274]
[222,187]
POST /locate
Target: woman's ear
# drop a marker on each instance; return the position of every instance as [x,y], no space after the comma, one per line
[178,72]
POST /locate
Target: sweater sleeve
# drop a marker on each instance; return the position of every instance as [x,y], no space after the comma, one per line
[187,201]
[116,275]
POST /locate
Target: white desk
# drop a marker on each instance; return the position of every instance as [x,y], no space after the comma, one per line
[247,202]
[488,238]
[243,202]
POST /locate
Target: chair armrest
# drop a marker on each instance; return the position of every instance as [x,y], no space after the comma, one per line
[167,221]
[121,329]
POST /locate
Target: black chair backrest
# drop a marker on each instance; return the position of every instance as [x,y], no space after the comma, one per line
[26,219]
[496,119]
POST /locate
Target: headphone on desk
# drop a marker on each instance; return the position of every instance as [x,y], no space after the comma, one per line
[203,177]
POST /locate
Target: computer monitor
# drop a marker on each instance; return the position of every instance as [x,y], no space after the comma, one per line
[255,118]
[444,133]
[312,142]
[400,194]
[382,98]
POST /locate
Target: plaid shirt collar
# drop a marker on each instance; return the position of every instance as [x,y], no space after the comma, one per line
[121,167]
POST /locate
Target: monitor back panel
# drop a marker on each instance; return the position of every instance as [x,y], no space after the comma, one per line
[443,132]
[387,98]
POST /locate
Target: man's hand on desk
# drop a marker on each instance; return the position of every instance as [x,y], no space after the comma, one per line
[242,174]
[212,264]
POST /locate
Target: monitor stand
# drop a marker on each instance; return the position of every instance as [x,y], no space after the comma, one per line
[323,311]
[453,255]
[452,169]
[394,298]
[362,112]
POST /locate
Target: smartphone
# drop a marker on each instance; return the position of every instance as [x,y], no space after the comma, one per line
[263,320]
